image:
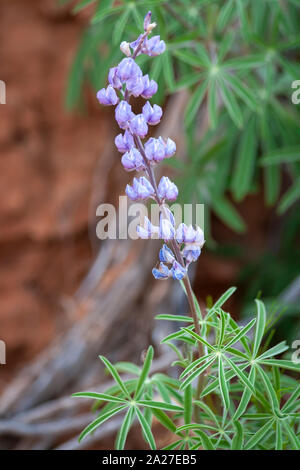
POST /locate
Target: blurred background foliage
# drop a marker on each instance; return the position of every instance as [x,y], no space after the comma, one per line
[237,59]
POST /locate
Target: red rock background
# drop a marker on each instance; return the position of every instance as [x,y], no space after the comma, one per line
[47,168]
[53,169]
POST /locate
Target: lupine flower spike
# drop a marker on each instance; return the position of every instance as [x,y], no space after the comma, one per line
[126,81]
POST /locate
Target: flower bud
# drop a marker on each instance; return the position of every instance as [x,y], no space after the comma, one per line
[124,46]
[162,272]
[125,142]
[166,255]
[178,271]
[123,114]
[107,96]
[141,189]
[152,114]
[138,125]
[133,160]
[167,189]
[150,87]
[155,150]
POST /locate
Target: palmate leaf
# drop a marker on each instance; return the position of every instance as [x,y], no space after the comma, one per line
[260,326]
[196,373]
[144,373]
[146,429]
[245,163]
[238,439]
[231,104]
[99,396]
[113,371]
[259,435]
[97,422]
[124,429]
[228,214]
[195,102]
[294,440]
[223,384]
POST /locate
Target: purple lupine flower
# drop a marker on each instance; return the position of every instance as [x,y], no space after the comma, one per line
[191,253]
[141,189]
[148,230]
[113,78]
[166,255]
[147,20]
[135,86]
[155,150]
[187,234]
[138,125]
[152,114]
[166,229]
[128,69]
[162,272]
[150,87]
[125,48]
[134,44]
[133,160]
[178,271]
[170,148]
[107,96]
[167,189]
[154,46]
[123,114]
[124,142]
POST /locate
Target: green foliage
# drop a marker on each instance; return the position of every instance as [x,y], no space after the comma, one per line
[238,60]
[245,401]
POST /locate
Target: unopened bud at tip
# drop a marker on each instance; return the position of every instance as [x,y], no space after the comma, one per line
[124,46]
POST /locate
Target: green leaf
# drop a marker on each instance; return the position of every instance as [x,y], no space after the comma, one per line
[198,338]
[194,364]
[182,318]
[223,324]
[238,439]
[247,394]
[188,404]
[196,373]
[144,373]
[260,326]
[241,333]
[225,14]
[231,104]
[245,62]
[128,367]
[271,392]
[113,371]
[168,70]
[82,5]
[96,423]
[164,419]
[294,440]
[240,374]
[284,155]
[221,301]
[123,432]
[146,429]
[105,12]
[99,396]
[160,405]
[228,214]
[187,57]
[245,164]
[242,91]
[194,103]
[274,351]
[206,441]
[280,363]
[223,384]
[291,399]
[290,197]
[278,444]
[212,103]
[120,26]
[259,435]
